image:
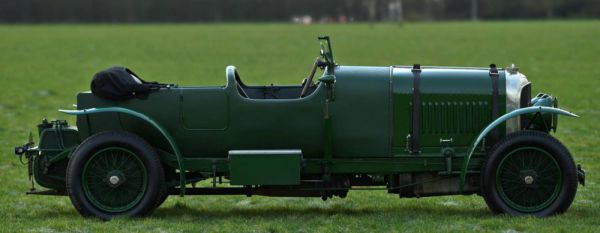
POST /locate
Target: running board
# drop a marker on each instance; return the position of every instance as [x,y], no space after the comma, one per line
[273,192]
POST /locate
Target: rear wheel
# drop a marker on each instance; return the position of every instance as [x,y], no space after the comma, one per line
[115,174]
[529,172]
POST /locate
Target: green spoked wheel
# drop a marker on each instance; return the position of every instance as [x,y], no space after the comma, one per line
[529,172]
[114,179]
[528,179]
[115,173]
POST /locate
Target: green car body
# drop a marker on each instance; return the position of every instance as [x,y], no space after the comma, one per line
[355,126]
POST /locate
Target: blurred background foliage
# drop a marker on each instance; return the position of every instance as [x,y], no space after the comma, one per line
[110,11]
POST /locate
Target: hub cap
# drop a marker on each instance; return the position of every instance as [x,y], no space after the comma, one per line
[528,179]
[114,179]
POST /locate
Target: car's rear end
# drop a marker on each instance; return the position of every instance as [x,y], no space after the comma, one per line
[48,160]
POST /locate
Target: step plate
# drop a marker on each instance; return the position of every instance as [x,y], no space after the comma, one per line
[265,167]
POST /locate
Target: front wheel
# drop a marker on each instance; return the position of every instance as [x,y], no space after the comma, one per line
[114,173]
[529,172]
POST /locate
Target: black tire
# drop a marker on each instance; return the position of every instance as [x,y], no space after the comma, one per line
[170,175]
[89,200]
[162,198]
[549,194]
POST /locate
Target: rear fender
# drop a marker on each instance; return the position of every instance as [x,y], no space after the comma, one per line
[500,120]
[149,120]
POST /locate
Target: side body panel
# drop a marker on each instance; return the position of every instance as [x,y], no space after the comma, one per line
[163,106]
[204,108]
[257,124]
[362,112]
[370,120]
[455,106]
[208,122]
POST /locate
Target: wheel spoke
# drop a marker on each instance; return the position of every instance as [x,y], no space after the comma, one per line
[527,163]
[114,197]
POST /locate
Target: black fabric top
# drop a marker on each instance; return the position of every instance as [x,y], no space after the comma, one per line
[120,83]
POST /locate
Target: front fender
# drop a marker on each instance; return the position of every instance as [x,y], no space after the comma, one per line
[500,120]
[147,119]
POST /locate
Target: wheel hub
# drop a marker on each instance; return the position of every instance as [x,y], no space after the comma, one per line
[115,178]
[528,180]
[528,176]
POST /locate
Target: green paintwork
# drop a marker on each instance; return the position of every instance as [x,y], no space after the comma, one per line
[456,104]
[58,138]
[353,125]
[265,167]
[497,122]
[366,123]
[56,144]
[361,115]
[238,123]
[548,121]
[146,119]
[369,114]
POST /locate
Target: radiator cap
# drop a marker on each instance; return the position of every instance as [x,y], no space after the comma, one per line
[513,69]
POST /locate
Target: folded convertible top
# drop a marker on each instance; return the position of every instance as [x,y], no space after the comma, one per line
[120,83]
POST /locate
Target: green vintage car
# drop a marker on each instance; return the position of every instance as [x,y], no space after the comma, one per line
[415,131]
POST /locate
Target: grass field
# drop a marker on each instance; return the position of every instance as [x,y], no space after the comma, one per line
[43,67]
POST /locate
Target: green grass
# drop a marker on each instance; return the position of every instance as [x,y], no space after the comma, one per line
[42,68]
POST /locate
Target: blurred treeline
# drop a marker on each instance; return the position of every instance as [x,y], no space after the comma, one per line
[285,10]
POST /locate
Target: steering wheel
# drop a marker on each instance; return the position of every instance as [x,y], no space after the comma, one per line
[308,81]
